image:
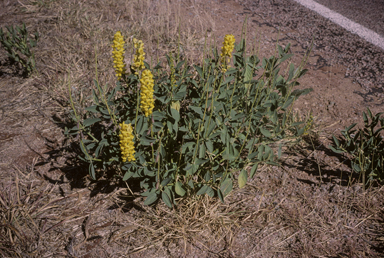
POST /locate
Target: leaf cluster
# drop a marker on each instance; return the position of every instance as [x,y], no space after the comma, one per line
[206,125]
[18,44]
[365,146]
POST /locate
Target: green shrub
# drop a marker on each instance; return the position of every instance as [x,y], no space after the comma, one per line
[365,146]
[206,122]
[19,46]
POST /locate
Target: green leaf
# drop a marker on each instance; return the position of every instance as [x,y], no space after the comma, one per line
[179,65]
[98,150]
[272,163]
[287,104]
[188,145]
[84,150]
[148,172]
[179,188]
[202,190]
[175,115]
[226,186]
[300,132]
[281,52]
[91,145]
[197,110]
[191,169]
[335,150]
[92,171]
[170,127]
[265,132]
[158,116]
[152,197]
[180,95]
[220,195]
[207,176]
[302,72]
[199,162]
[285,57]
[248,75]
[92,109]
[290,73]
[242,180]
[230,157]
[210,192]
[139,125]
[356,167]
[199,71]
[166,181]
[166,199]
[227,80]
[202,151]
[146,141]
[240,47]
[104,142]
[90,121]
[287,47]
[252,155]
[224,135]
[191,184]
[298,93]
[250,144]
[210,128]
[253,170]
[128,175]
[209,145]
[365,118]
[336,141]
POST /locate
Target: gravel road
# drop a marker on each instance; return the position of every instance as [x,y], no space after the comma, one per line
[365,62]
[367,13]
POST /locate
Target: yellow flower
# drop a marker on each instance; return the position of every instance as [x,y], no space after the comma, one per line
[118,54]
[126,142]
[138,58]
[226,50]
[147,102]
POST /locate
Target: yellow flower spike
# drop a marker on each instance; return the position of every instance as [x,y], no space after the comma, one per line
[226,50]
[147,102]
[126,143]
[138,58]
[118,54]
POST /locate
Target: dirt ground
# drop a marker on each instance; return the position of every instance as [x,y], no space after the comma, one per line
[306,208]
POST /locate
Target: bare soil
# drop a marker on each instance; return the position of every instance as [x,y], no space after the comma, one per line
[307,208]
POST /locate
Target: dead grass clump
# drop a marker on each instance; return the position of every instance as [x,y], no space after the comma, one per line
[20,205]
[201,224]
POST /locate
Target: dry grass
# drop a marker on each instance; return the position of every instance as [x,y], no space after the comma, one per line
[78,32]
[52,209]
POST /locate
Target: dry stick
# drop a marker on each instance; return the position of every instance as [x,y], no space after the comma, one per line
[318,165]
[288,238]
[17,190]
[258,207]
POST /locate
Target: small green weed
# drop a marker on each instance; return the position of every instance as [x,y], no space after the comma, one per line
[366,146]
[185,132]
[19,46]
